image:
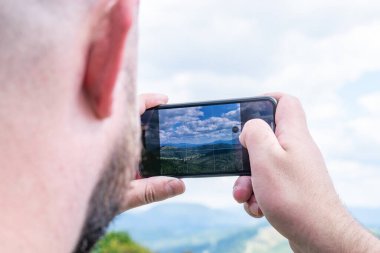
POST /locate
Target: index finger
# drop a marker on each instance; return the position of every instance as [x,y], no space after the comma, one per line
[290,118]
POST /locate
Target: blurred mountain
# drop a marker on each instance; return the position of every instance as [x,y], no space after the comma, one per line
[191,145]
[178,228]
[179,145]
[369,217]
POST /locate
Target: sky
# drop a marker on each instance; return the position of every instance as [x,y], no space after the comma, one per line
[327,53]
[198,125]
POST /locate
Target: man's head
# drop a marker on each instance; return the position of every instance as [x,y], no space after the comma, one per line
[69,134]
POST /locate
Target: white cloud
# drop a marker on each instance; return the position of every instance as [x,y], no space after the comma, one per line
[371,103]
[311,66]
[170,117]
[365,126]
[334,139]
[357,183]
[234,114]
[194,52]
[180,129]
[367,129]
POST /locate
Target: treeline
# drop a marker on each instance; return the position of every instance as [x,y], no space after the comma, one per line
[118,242]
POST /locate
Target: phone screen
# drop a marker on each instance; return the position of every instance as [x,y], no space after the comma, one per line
[200,139]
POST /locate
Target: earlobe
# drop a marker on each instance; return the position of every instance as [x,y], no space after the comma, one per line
[105,57]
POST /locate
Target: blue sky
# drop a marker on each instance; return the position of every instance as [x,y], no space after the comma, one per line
[198,125]
[324,52]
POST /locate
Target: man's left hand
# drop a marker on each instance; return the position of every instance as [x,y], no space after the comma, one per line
[142,191]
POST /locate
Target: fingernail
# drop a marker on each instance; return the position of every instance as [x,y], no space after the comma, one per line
[260,212]
[174,187]
[256,211]
[241,140]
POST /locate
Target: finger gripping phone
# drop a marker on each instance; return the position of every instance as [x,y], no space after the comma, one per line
[200,139]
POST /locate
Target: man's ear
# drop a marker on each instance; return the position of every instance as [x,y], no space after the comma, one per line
[105,57]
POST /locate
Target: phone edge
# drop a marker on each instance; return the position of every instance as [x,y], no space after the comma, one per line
[213,102]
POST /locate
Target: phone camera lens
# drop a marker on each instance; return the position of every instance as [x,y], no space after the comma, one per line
[235,129]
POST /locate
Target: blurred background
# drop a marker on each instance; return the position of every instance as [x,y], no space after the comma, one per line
[326,52]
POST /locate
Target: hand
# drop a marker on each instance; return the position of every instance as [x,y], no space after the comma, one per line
[291,186]
[148,190]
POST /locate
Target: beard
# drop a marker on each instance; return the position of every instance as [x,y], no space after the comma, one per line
[106,201]
[108,197]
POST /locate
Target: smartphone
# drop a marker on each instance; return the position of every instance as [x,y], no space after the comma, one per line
[200,139]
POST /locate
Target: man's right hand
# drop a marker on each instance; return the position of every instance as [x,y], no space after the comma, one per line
[291,187]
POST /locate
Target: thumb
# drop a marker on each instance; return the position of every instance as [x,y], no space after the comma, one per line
[261,143]
[148,190]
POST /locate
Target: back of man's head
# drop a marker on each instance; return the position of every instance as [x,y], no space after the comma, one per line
[67,120]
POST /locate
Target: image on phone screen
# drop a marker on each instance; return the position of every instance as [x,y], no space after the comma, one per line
[200,140]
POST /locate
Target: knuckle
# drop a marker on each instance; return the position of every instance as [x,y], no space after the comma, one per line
[292,100]
[149,194]
[295,102]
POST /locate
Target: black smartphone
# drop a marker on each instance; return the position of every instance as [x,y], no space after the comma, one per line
[200,139]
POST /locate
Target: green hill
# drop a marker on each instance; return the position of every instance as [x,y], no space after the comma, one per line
[118,242]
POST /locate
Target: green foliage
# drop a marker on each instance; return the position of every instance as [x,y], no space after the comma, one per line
[118,242]
[223,157]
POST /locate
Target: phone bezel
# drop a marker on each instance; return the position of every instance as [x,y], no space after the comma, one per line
[216,102]
[208,103]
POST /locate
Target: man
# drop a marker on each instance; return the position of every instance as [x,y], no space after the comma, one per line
[69,130]
[69,139]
